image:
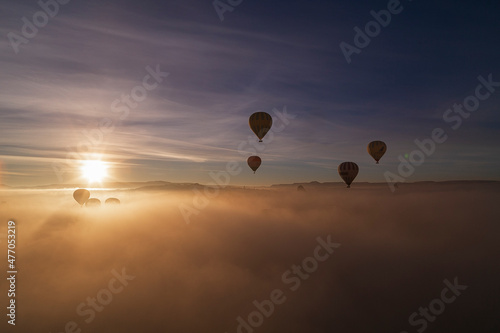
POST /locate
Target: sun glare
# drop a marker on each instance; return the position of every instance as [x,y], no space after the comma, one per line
[94,170]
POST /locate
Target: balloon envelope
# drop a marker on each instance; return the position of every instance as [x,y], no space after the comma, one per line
[377,149]
[260,123]
[93,202]
[254,162]
[112,201]
[348,171]
[81,196]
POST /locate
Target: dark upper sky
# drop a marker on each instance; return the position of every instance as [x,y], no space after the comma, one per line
[65,90]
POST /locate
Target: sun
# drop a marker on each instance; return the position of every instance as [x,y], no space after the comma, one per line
[94,170]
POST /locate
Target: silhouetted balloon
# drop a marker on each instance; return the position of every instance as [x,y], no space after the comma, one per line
[260,123]
[348,171]
[254,162]
[93,202]
[301,188]
[112,201]
[377,149]
[81,196]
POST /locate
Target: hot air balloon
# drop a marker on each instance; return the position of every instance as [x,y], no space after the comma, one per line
[112,201]
[260,123]
[93,202]
[377,149]
[348,171]
[81,196]
[254,162]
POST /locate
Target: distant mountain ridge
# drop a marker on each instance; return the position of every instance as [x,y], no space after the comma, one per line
[164,185]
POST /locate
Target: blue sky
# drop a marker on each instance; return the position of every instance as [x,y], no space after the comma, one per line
[262,56]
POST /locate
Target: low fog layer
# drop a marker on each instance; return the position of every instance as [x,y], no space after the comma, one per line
[388,258]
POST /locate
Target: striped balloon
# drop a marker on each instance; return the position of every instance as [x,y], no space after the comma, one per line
[348,171]
[377,149]
[260,123]
[254,162]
